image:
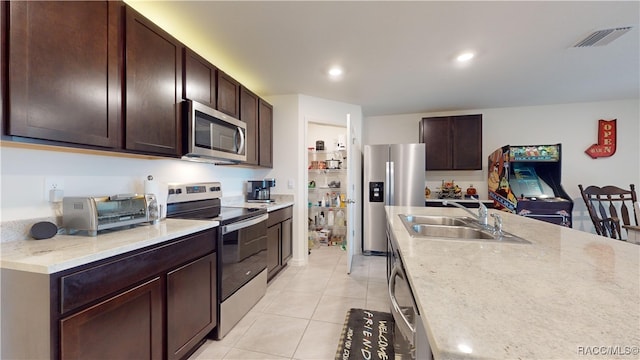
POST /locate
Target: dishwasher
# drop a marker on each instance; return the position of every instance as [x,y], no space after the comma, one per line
[410,337]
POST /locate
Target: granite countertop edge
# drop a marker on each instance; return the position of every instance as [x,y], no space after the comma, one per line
[63,252]
[567,290]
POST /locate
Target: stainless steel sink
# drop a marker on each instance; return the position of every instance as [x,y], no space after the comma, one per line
[460,232]
[437,220]
[454,228]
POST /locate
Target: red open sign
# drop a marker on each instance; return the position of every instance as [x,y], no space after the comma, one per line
[606,145]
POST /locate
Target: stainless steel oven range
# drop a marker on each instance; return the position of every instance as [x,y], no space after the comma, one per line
[242,247]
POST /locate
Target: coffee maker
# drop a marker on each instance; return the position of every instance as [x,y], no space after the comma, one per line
[260,190]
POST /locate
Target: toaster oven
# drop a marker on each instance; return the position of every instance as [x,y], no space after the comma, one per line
[92,214]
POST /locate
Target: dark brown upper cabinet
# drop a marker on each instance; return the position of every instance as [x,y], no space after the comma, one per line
[249,114]
[452,142]
[265,129]
[228,95]
[199,79]
[153,82]
[63,71]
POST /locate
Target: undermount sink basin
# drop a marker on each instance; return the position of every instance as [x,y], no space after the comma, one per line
[437,220]
[460,232]
[454,228]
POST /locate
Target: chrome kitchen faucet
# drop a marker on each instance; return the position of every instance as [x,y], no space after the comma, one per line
[482,215]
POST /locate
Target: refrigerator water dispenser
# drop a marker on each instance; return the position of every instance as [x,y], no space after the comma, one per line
[376,191]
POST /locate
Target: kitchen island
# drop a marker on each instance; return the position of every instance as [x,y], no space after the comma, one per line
[567,295]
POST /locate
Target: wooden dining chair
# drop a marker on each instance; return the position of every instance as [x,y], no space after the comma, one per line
[610,207]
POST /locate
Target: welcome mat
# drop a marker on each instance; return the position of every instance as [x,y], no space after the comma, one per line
[366,335]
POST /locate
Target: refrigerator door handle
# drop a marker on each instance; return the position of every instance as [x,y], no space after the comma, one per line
[389,184]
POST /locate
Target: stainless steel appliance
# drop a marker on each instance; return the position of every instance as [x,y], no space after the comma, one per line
[242,247]
[410,339]
[260,190]
[393,175]
[212,136]
[95,213]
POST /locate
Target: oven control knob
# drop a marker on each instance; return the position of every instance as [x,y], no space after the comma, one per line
[178,191]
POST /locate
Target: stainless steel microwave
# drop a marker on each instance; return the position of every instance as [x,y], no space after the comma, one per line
[212,136]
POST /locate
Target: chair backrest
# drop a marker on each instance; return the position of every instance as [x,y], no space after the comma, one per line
[610,207]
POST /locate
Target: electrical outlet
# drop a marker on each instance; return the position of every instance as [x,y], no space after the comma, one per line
[52,183]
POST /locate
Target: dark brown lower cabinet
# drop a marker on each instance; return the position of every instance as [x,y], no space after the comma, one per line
[125,326]
[158,302]
[279,240]
[287,239]
[273,250]
[191,308]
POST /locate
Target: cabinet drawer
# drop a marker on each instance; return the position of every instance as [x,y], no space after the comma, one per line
[85,286]
[279,216]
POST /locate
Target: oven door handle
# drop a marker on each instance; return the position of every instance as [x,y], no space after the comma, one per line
[407,330]
[243,224]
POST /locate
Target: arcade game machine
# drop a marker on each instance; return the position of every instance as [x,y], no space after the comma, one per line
[525,180]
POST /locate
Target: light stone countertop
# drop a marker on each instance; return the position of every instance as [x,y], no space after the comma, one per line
[281,201]
[559,297]
[63,252]
[270,206]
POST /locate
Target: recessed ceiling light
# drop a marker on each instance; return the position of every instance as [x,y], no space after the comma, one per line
[335,72]
[466,56]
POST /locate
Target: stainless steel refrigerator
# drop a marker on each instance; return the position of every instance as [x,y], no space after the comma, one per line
[393,174]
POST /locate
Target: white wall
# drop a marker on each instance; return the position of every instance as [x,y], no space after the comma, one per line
[291,113]
[572,125]
[327,133]
[24,172]
[287,160]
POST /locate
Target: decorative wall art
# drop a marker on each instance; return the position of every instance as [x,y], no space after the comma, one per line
[606,145]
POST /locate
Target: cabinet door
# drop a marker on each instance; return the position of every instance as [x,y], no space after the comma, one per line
[154,88]
[466,135]
[191,305]
[265,121]
[249,114]
[287,239]
[199,79]
[63,71]
[273,250]
[228,95]
[126,326]
[435,136]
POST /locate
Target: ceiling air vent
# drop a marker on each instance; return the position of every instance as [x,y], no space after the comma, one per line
[602,37]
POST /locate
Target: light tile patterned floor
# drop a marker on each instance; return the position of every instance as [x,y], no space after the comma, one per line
[302,314]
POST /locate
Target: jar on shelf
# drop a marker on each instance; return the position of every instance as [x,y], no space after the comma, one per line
[471,190]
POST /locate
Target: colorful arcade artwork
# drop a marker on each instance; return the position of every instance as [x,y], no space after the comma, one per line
[525,180]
